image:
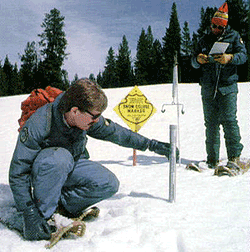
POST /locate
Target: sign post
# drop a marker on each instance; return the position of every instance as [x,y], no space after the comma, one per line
[135,110]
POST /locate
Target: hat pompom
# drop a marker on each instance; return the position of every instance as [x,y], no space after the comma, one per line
[224,8]
[221,16]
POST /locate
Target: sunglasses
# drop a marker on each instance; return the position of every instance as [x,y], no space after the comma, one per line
[214,26]
[94,117]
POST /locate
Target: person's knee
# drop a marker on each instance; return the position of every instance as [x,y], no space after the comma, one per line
[108,182]
[114,185]
[105,185]
[54,158]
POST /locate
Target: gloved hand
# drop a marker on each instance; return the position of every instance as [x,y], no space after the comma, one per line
[35,227]
[223,58]
[162,148]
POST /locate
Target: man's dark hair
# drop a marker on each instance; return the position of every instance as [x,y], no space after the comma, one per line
[84,94]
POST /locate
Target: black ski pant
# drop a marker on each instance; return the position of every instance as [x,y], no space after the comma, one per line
[221,110]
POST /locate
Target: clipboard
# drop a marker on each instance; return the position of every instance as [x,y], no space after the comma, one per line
[219,48]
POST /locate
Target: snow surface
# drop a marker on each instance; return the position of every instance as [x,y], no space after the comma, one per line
[210,213]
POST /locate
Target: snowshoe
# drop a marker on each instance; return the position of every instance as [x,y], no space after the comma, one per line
[224,170]
[198,166]
[70,227]
[65,228]
[89,214]
[233,168]
[194,167]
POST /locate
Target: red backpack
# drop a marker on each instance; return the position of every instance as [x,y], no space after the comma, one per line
[37,98]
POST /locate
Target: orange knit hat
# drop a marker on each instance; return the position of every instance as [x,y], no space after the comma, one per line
[221,16]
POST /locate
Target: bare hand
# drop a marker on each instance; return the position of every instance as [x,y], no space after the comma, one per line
[223,58]
[202,58]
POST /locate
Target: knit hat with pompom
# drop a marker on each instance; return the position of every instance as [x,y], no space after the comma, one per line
[221,16]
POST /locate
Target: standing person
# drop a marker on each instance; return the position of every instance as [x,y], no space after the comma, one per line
[219,89]
[52,170]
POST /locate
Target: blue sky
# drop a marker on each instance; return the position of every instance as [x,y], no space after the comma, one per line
[91,26]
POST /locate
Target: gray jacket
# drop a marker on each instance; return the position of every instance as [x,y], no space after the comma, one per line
[46,128]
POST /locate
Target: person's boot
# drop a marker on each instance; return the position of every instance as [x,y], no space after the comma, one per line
[212,164]
[233,163]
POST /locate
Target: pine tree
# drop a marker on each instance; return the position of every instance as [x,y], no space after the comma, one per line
[29,66]
[74,80]
[142,59]
[157,63]
[186,52]
[8,71]
[195,40]
[65,80]
[99,79]
[205,20]
[92,77]
[144,72]
[124,65]
[171,43]
[3,82]
[237,16]
[186,43]
[53,42]
[17,85]
[238,12]
[149,67]
[109,76]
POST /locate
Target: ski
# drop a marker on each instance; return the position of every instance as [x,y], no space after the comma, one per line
[70,227]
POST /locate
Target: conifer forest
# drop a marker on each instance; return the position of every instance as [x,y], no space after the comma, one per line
[41,63]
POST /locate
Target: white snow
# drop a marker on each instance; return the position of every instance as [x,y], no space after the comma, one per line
[210,213]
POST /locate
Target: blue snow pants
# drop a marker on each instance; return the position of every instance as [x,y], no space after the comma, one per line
[77,185]
[221,110]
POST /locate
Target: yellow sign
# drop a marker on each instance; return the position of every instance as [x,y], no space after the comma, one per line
[135,109]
